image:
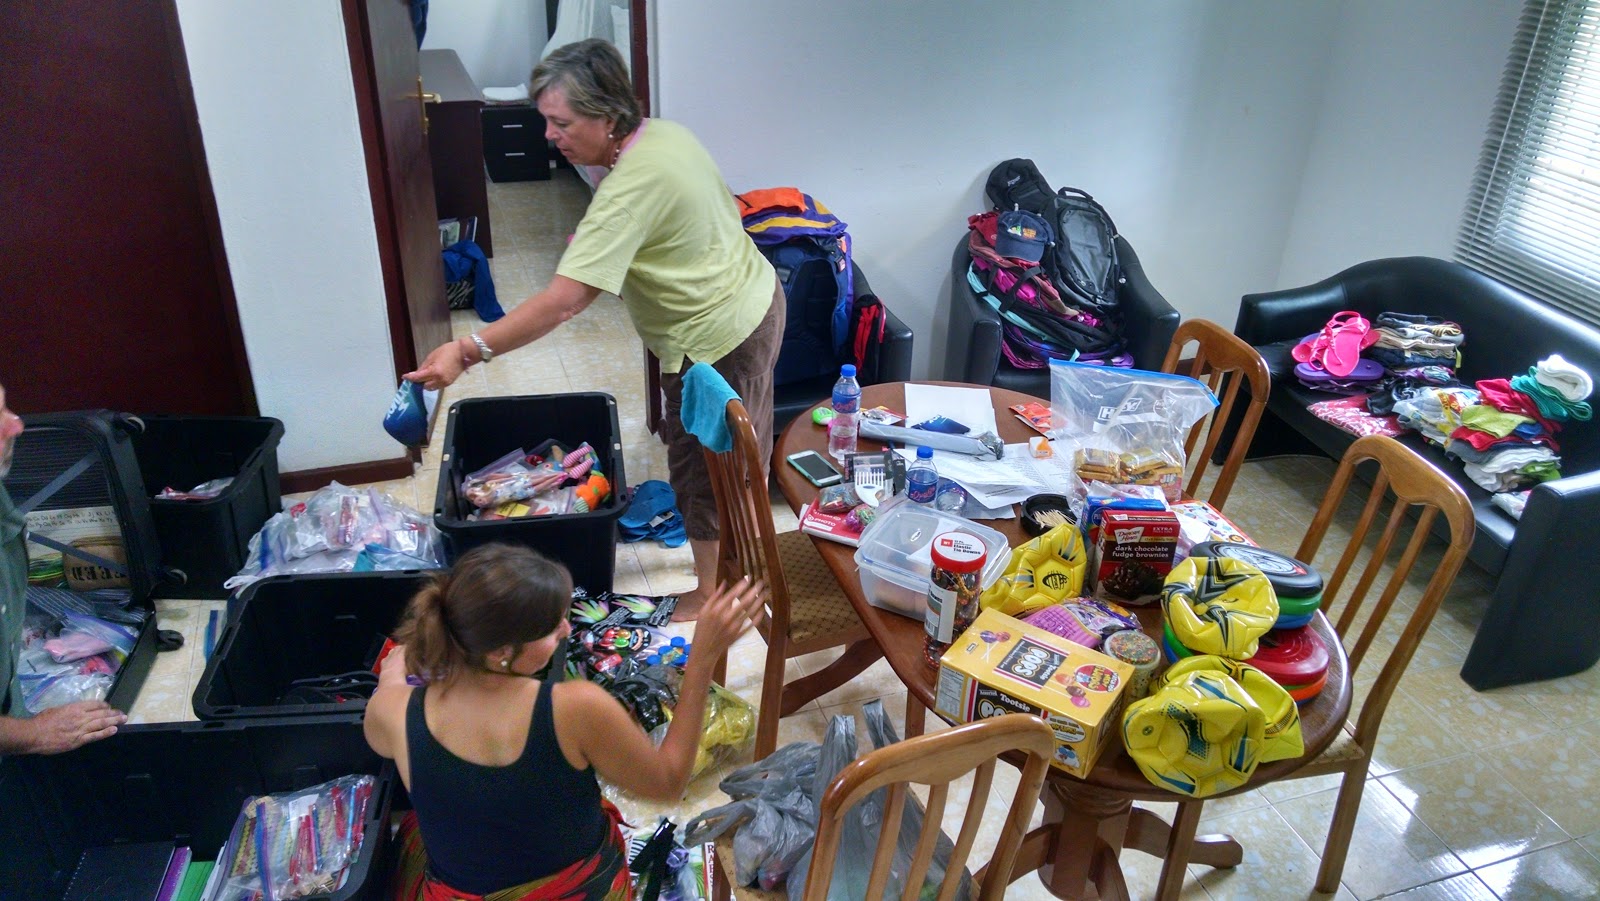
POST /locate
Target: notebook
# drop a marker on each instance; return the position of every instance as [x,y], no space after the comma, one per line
[175,869]
[194,880]
[131,872]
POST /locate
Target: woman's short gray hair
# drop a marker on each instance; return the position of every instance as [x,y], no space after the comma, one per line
[594,79]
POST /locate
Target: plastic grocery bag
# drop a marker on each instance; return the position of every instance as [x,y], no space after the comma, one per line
[859,842]
[1127,425]
[730,730]
[772,810]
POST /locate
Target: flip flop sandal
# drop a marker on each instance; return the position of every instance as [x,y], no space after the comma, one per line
[1348,333]
[1363,371]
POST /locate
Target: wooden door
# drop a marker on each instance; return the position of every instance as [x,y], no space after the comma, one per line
[116,290]
[390,105]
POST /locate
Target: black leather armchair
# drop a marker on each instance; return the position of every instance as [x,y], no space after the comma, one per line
[893,365]
[1544,618]
[972,352]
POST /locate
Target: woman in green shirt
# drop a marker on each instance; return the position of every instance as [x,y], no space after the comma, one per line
[663,233]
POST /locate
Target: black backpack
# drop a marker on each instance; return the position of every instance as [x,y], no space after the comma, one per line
[1083,261]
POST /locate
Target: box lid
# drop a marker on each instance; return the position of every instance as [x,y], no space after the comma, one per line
[898,545]
[1038,667]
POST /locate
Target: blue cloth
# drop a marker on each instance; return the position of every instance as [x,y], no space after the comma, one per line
[653,513]
[705,407]
[465,258]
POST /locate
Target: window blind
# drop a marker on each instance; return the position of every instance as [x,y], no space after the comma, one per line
[1533,216]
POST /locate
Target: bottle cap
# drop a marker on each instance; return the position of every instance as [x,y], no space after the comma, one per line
[924,452]
[848,370]
[959,552]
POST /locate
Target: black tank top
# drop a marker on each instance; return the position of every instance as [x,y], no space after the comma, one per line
[488,828]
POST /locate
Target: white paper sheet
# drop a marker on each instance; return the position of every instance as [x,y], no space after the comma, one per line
[1013,478]
[972,407]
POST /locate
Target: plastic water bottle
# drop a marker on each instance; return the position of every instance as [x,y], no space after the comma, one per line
[922,478]
[846,407]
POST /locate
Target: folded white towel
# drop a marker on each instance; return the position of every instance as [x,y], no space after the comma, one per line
[518,94]
[1563,378]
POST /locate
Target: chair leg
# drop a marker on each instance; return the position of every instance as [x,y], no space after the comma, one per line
[771,699]
[1175,865]
[1341,830]
[719,673]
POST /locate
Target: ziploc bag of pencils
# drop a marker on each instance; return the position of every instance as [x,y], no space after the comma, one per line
[294,844]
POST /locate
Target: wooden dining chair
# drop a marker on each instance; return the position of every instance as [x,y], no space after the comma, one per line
[1224,362]
[1421,493]
[806,612]
[935,761]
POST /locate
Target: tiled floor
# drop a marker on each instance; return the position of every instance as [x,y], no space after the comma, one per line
[1492,795]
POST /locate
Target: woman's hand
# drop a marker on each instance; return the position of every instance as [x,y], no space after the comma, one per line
[441,368]
[726,616]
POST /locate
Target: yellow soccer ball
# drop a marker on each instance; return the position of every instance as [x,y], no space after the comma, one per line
[1281,737]
[1045,571]
[1218,605]
[1200,734]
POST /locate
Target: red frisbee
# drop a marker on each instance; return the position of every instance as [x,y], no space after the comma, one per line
[1292,656]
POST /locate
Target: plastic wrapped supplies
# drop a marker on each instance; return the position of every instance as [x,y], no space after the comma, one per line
[340,529]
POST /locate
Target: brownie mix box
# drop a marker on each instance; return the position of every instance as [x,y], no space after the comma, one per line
[1002,665]
[1134,554]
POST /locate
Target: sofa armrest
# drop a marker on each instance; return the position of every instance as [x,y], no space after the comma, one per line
[1290,313]
[1544,619]
[1148,321]
[894,357]
[972,344]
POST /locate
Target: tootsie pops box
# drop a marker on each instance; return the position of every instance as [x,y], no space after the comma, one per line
[1002,665]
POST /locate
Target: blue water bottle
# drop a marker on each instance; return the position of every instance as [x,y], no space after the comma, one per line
[922,478]
[846,406]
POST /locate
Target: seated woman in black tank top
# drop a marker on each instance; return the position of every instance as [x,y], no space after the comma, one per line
[501,766]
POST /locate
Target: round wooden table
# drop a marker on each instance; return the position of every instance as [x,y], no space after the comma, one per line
[1087,821]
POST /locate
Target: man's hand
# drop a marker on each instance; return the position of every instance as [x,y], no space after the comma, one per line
[70,726]
[441,367]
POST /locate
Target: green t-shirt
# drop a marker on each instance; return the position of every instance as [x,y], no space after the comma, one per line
[13,597]
[664,234]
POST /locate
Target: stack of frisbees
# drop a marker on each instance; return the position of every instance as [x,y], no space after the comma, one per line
[1292,653]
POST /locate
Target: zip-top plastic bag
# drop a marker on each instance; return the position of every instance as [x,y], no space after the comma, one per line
[1127,425]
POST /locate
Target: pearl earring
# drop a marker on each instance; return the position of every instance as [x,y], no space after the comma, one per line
[505,663]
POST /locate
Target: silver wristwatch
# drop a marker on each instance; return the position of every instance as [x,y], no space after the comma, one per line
[483,347]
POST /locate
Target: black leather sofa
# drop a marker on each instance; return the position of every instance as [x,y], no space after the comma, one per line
[893,364]
[1544,618]
[972,351]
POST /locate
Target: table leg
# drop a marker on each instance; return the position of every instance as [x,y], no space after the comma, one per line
[1089,825]
[1149,833]
[916,714]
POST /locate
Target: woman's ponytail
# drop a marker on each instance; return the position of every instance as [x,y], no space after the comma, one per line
[431,651]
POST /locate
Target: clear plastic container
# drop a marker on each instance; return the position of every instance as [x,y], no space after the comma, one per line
[895,559]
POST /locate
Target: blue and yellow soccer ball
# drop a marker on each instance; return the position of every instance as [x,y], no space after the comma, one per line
[1281,738]
[1219,605]
[1199,735]
[1045,571]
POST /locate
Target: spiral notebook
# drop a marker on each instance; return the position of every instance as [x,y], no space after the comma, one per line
[132,872]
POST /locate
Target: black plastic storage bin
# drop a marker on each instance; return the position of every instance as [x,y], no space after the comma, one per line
[482,430]
[300,627]
[96,445]
[178,782]
[207,539]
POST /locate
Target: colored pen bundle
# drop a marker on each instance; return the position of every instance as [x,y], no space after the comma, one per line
[294,844]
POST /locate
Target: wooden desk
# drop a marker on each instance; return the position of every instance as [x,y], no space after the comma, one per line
[455,142]
[1087,821]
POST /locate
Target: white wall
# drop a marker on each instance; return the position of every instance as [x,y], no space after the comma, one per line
[1190,122]
[276,101]
[498,40]
[1397,141]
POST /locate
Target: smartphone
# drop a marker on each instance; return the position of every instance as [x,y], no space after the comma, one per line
[816,468]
